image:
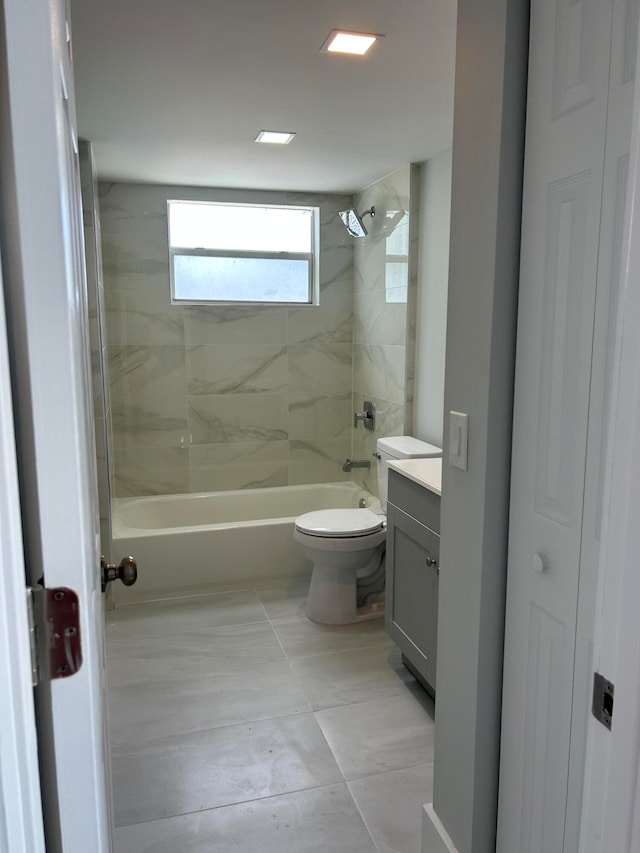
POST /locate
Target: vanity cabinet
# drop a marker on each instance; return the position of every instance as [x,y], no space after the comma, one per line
[413,565]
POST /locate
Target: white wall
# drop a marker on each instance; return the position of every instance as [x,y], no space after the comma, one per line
[433,280]
[486,197]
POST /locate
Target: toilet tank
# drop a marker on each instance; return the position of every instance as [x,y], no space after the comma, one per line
[399,447]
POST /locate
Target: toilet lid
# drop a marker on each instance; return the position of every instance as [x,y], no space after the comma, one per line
[339,522]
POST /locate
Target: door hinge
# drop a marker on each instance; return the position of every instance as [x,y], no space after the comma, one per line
[602,705]
[54,631]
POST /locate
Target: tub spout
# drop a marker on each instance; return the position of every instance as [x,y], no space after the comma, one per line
[350,464]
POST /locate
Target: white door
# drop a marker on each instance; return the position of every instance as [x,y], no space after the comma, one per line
[610,260]
[571,212]
[44,281]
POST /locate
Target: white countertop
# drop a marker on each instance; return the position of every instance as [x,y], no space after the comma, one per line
[425,472]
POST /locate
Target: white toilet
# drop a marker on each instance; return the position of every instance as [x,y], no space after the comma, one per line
[347,547]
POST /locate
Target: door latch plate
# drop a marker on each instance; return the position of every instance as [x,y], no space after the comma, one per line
[602,706]
[54,622]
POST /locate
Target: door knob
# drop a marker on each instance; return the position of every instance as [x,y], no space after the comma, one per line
[127,572]
[431,561]
[538,564]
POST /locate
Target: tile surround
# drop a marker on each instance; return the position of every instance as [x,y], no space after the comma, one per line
[383,276]
[206,380]
[203,379]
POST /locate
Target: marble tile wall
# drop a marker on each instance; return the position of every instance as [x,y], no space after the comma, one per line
[210,398]
[96,309]
[383,288]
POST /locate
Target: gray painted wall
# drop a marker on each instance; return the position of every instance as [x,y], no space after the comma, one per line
[488,146]
[433,281]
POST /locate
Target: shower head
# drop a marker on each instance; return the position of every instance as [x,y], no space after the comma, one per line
[353,221]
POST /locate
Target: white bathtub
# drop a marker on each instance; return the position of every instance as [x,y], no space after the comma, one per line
[219,538]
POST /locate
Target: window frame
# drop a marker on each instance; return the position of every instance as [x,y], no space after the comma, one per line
[313,257]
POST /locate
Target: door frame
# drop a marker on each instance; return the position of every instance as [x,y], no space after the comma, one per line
[21,821]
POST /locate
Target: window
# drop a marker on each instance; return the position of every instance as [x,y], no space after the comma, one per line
[242,253]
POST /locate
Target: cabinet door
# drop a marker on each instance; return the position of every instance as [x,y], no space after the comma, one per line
[412,590]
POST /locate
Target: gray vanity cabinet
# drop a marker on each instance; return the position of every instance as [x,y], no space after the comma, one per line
[413,561]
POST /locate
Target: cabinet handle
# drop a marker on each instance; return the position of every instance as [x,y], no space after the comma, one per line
[430,561]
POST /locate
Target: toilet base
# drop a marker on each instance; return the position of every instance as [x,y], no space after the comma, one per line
[332,598]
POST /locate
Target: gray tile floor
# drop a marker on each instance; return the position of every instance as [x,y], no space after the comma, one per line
[239,725]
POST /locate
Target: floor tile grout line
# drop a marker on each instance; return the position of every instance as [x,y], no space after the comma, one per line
[270,621]
[144,601]
[242,803]
[343,651]
[362,817]
[389,770]
[309,712]
[173,633]
[326,740]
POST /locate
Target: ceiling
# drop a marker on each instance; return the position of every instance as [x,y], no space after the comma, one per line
[175,91]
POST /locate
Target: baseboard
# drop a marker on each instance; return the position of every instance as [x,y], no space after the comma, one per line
[435,838]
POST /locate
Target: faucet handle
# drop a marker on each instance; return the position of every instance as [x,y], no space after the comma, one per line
[368,417]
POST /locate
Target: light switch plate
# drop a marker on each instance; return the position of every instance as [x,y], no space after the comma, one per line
[458,439]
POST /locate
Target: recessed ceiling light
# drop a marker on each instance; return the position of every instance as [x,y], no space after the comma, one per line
[275,137]
[342,41]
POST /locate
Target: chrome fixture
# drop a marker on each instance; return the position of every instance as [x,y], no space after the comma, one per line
[368,417]
[350,464]
[353,221]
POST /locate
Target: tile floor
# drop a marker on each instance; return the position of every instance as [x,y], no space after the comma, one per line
[239,725]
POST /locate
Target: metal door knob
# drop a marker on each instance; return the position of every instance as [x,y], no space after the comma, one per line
[431,561]
[127,572]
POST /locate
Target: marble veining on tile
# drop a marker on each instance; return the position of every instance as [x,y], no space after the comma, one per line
[159,422]
[239,465]
[134,370]
[236,418]
[320,368]
[320,416]
[329,322]
[150,471]
[136,318]
[231,324]
[380,370]
[236,369]
[318,460]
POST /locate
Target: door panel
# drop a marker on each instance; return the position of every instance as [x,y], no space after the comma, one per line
[616,171]
[564,161]
[50,371]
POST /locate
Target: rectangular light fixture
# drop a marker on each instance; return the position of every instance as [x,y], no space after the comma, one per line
[275,137]
[343,41]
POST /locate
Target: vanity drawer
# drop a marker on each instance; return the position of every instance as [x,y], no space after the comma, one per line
[415,500]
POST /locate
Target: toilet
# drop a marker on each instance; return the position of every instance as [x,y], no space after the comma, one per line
[347,546]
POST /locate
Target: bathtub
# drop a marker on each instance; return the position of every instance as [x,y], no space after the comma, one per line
[219,538]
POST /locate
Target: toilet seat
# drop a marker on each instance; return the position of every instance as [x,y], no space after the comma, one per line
[339,523]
